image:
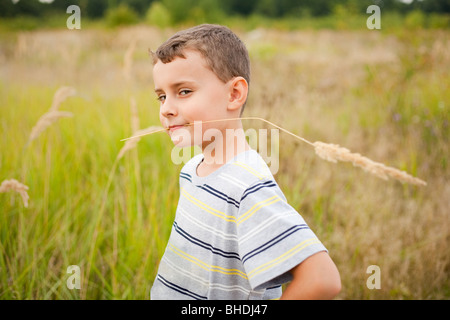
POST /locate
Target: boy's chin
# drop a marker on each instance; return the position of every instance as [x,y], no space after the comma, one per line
[182,140]
[182,144]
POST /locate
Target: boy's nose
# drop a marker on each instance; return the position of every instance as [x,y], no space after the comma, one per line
[168,109]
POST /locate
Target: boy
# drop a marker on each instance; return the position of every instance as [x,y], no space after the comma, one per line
[234,235]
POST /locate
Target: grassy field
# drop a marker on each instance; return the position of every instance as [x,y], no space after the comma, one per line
[385,95]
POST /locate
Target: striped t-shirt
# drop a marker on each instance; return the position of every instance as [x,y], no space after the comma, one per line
[234,235]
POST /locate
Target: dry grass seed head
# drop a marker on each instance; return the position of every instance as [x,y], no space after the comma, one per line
[60,95]
[45,121]
[132,143]
[335,153]
[53,114]
[14,185]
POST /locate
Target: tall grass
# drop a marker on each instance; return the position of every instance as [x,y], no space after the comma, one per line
[69,190]
[383,94]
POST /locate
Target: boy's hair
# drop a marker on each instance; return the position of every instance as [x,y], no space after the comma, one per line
[224,53]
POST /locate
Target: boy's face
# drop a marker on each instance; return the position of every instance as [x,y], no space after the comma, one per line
[189,91]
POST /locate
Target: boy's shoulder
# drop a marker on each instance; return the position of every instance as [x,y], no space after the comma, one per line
[250,167]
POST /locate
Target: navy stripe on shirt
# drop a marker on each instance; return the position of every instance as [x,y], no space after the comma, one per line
[205,245]
[219,195]
[273,241]
[258,186]
[181,290]
[185,176]
[212,190]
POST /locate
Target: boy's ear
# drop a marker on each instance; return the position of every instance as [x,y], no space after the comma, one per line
[238,93]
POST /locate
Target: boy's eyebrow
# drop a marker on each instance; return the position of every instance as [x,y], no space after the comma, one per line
[176,84]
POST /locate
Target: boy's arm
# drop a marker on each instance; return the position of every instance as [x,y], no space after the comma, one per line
[315,278]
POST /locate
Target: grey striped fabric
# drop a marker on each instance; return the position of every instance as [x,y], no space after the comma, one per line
[234,235]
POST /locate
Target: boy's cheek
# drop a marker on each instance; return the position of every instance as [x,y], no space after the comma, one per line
[162,119]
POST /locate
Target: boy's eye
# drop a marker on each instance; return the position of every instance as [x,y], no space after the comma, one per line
[161,98]
[184,92]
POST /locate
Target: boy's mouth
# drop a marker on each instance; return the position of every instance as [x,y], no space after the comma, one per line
[175,127]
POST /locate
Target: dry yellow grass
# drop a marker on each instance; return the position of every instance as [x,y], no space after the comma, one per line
[328,151]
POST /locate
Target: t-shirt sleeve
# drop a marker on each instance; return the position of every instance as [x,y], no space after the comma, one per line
[273,237]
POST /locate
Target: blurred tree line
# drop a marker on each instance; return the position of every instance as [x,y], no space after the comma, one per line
[182,10]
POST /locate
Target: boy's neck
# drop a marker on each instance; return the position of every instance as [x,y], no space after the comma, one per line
[228,145]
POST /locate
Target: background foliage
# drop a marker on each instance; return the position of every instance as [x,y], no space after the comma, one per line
[181,11]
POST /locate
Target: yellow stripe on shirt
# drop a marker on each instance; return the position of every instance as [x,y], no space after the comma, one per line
[207,208]
[256,207]
[226,217]
[249,169]
[204,265]
[283,257]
